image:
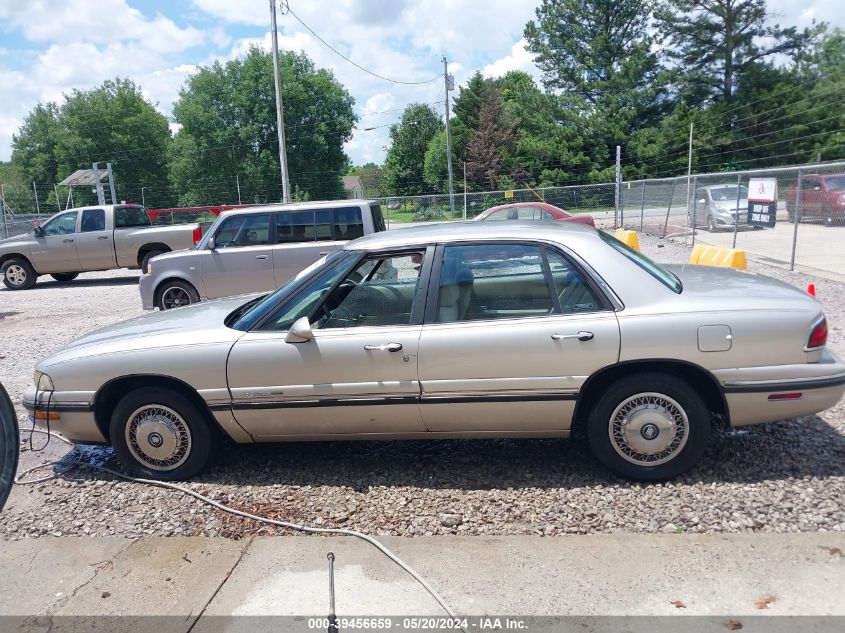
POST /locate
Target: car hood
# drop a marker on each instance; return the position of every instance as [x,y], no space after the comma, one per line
[730,205]
[737,285]
[198,324]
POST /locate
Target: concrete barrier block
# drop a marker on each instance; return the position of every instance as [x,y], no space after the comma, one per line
[705,255]
[628,237]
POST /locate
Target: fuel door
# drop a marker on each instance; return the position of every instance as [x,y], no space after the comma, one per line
[714,338]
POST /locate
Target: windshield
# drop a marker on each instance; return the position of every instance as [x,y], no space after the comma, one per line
[836,182]
[667,278]
[728,194]
[245,317]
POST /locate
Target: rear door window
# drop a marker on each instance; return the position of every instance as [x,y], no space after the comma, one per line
[323,225]
[295,226]
[528,213]
[93,220]
[501,214]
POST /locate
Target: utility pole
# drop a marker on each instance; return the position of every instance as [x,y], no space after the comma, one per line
[280,115]
[58,202]
[35,191]
[449,83]
[238,185]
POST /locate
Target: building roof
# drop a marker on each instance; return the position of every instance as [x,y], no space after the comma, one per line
[350,183]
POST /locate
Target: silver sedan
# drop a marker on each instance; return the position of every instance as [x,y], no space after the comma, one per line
[455,330]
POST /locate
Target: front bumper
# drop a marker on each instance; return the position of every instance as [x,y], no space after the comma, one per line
[75,412]
[147,289]
[748,390]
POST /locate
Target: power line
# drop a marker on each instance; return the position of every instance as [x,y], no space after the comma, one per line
[366,70]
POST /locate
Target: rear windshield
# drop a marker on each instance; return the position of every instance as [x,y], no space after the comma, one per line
[130,216]
[667,278]
[378,218]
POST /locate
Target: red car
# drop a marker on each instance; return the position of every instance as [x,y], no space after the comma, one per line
[532,211]
[822,198]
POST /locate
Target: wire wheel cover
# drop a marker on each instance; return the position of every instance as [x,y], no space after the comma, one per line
[158,437]
[648,429]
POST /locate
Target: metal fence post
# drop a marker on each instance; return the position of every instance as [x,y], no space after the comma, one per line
[693,208]
[642,207]
[796,218]
[669,207]
[736,217]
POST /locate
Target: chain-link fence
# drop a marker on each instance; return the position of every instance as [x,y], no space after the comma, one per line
[18,224]
[790,217]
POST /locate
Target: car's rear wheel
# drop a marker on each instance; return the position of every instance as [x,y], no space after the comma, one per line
[145,260]
[18,274]
[160,434]
[64,277]
[175,294]
[649,426]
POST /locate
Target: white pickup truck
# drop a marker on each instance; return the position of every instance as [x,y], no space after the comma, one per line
[88,239]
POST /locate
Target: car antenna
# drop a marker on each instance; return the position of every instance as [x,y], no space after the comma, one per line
[332,617]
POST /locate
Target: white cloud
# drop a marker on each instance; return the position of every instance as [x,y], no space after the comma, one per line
[518,59]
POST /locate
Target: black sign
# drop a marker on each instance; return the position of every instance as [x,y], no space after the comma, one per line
[762,214]
[8,445]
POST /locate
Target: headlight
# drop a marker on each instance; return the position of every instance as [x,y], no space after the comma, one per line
[42,382]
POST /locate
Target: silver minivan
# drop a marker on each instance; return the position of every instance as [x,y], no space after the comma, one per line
[256,250]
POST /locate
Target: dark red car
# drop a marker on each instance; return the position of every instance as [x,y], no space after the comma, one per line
[822,198]
[532,211]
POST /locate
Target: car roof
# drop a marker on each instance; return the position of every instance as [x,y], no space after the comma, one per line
[298,206]
[513,205]
[566,233]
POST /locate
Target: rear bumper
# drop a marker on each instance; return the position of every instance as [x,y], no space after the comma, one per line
[748,390]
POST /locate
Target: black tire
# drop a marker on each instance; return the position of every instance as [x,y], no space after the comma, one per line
[64,277]
[9,443]
[145,260]
[674,462]
[175,293]
[189,425]
[18,274]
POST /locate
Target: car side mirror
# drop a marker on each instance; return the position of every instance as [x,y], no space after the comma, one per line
[300,331]
[38,230]
[212,245]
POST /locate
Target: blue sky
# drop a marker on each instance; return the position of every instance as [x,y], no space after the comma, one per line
[49,47]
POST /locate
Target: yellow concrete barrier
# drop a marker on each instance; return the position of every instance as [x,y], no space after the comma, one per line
[705,255]
[628,237]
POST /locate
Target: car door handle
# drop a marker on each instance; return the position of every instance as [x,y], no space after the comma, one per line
[581,336]
[323,253]
[261,256]
[103,237]
[389,347]
[67,241]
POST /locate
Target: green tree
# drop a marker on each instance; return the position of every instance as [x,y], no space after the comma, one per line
[372,179]
[228,134]
[714,42]
[466,110]
[17,192]
[404,166]
[435,169]
[110,123]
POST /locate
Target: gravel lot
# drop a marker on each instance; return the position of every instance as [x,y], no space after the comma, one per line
[783,477]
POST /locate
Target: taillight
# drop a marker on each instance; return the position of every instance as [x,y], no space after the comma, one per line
[197,235]
[818,337]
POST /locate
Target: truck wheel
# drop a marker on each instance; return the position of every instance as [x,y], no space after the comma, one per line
[18,274]
[649,426]
[145,260]
[160,434]
[63,277]
[175,294]
[9,442]
[711,224]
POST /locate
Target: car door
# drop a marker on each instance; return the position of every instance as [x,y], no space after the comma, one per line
[512,332]
[356,374]
[94,241]
[302,237]
[242,259]
[55,250]
[811,193]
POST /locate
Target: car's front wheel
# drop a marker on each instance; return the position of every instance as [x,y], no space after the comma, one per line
[711,224]
[160,434]
[18,274]
[649,426]
[175,294]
